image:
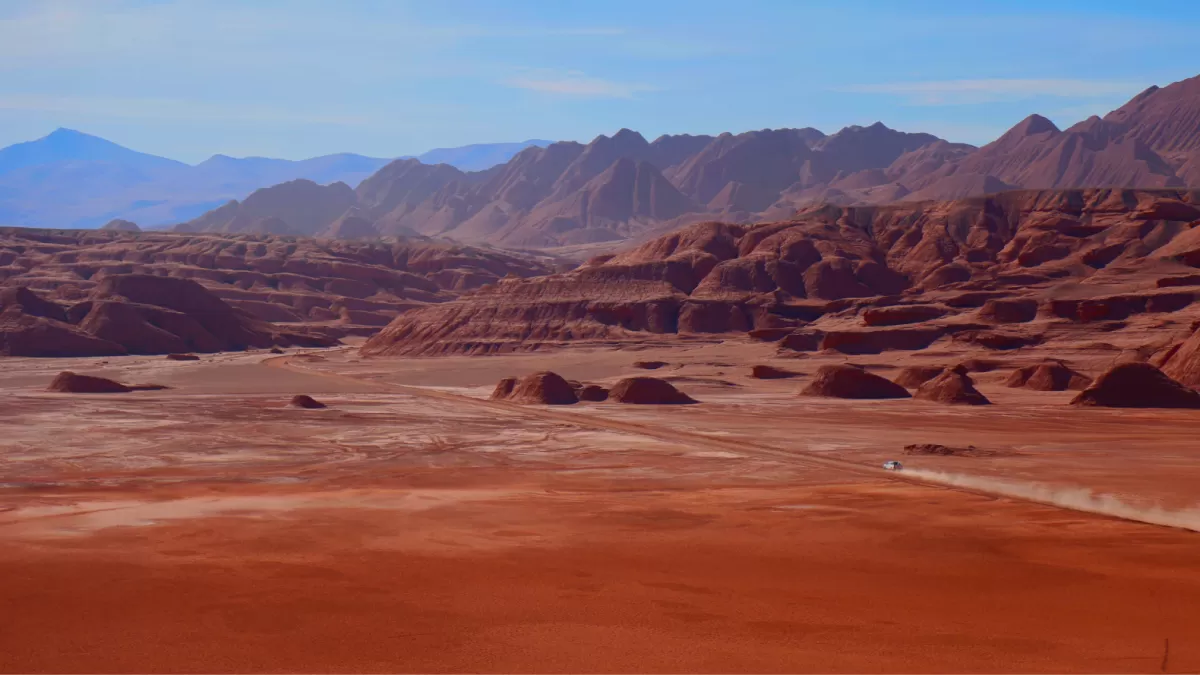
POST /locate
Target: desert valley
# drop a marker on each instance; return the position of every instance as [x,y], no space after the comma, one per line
[625,406]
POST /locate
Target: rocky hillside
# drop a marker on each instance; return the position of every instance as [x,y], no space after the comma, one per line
[624,188]
[322,288]
[998,270]
[135,314]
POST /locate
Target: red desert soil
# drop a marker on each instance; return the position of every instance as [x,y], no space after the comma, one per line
[417,526]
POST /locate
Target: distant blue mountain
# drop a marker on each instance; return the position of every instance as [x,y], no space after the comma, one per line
[480,156]
[70,145]
[73,179]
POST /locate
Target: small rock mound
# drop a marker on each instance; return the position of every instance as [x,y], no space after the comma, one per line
[1167,209]
[73,383]
[1137,385]
[1051,376]
[648,390]
[276,350]
[504,389]
[769,334]
[306,401]
[841,381]
[593,392]
[1016,310]
[649,365]
[542,388]
[902,314]
[183,357]
[979,365]
[952,386]
[770,373]
[915,376]
[997,340]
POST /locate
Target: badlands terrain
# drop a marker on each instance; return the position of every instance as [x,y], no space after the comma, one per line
[421,512]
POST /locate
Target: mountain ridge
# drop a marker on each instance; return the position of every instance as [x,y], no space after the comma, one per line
[69,178]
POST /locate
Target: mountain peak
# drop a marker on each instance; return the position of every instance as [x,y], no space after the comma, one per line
[64,132]
[1034,124]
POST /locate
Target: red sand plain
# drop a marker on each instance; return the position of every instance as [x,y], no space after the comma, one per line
[414,526]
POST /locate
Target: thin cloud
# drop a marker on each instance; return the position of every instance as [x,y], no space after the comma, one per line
[962,92]
[172,109]
[576,84]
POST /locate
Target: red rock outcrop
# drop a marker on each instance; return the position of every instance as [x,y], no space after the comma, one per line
[1182,360]
[156,315]
[913,377]
[953,386]
[802,341]
[542,388]
[1137,385]
[881,340]
[135,314]
[593,393]
[718,278]
[72,383]
[648,391]
[504,389]
[1016,310]
[306,401]
[842,381]
[902,314]
[764,372]
[325,288]
[33,326]
[1052,376]
[183,357]
[998,340]
[977,365]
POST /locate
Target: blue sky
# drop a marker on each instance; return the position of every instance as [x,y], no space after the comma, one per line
[298,78]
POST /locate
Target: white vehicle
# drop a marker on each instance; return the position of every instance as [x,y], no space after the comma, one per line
[893,465]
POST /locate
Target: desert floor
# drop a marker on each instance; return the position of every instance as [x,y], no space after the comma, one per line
[415,526]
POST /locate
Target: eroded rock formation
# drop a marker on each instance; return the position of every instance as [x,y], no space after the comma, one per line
[844,381]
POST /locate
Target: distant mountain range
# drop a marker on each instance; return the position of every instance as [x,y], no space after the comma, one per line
[621,187]
[74,180]
[614,189]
